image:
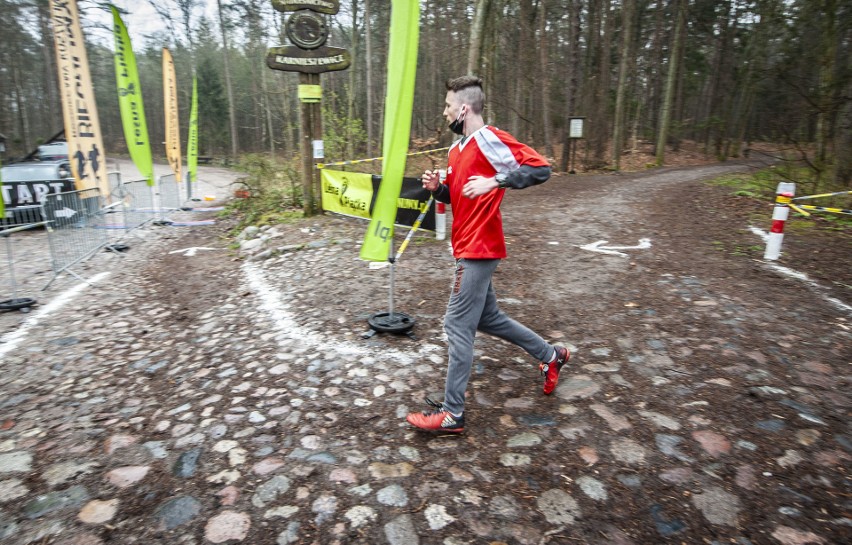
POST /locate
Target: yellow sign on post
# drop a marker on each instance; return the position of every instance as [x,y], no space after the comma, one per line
[310,93]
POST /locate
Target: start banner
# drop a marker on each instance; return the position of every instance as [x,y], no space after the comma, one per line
[354,194]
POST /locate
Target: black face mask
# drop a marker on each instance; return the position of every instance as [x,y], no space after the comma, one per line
[457,126]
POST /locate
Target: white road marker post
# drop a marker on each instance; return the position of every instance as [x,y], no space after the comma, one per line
[783,195]
[441,213]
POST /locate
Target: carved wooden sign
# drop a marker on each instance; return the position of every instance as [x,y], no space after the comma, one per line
[307,29]
[315,61]
[329,7]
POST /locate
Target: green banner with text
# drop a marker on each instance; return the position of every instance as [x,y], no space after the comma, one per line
[130,101]
[399,101]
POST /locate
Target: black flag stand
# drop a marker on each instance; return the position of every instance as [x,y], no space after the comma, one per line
[390,321]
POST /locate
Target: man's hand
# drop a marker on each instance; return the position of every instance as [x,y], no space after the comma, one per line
[478,185]
[431,180]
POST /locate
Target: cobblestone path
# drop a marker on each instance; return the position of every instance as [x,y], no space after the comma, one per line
[193,398]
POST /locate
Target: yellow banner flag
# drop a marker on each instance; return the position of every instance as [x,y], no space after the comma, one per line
[79,111]
[170,100]
[348,193]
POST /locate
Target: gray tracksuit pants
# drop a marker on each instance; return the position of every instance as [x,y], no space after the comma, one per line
[472,307]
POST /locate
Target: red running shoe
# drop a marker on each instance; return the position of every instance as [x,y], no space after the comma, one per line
[438,419]
[551,370]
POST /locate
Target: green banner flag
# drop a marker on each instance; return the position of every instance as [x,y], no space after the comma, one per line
[192,138]
[130,100]
[399,101]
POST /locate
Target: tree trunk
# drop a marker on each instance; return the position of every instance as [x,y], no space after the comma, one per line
[48,52]
[843,129]
[350,107]
[544,78]
[232,114]
[267,109]
[710,97]
[826,109]
[626,55]
[369,76]
[601,118]
[671,80]
[474,66]
[656,83]
[571,77]
[21,102]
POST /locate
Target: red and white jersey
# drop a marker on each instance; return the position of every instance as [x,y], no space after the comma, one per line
[477,223]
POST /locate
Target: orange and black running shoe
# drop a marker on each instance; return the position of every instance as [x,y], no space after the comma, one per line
[437,419]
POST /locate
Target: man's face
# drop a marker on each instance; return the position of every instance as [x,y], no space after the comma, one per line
[452,106]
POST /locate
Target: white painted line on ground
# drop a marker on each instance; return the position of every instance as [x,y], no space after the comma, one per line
[818,288]
[11,340]
[190,252]
[802,277]
[759,232]
[274,304]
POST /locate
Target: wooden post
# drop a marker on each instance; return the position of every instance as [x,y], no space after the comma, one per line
[307,152]
[308,30]
[316,134]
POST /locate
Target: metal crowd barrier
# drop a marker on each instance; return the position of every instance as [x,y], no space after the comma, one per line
[138,203]
[77,228]
[169,191]
[21,218]
[21,215]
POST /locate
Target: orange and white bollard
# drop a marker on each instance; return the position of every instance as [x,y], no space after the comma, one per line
[783,196]
[441,213]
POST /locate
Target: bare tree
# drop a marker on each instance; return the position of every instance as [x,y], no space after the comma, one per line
[369,77]
[625,56]
[544,78]
[474,57]
[572,75]
[671,80]
[232,114]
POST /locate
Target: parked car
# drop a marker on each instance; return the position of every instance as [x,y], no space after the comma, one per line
[53,151]
[26,185]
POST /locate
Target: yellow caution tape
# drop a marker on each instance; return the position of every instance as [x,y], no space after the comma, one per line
[372,159]
[823,195]
[800,211]
[819,209]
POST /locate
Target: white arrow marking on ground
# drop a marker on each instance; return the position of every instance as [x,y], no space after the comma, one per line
[65,213]
[599,247]
[189,252]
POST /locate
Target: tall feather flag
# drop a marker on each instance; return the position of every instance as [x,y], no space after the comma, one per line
[192,137]
[130,100]
[399,101]
[79,110]
[170,102]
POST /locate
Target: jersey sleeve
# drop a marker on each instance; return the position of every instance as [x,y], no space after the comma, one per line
[505,153]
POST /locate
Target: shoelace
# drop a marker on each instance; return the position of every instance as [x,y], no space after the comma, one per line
[436,406]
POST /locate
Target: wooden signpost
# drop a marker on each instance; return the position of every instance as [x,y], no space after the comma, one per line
[308,31]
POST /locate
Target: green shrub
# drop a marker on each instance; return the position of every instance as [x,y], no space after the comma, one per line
[274,191]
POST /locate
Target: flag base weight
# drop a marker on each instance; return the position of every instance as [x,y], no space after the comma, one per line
[385,322]
[390,321]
